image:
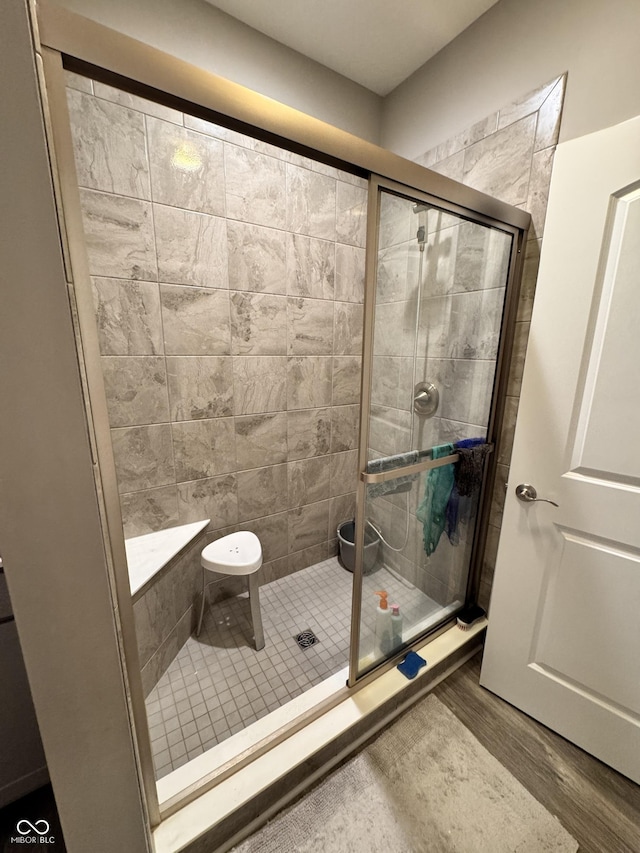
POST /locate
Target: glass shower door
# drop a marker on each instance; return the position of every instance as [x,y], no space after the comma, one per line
[432,339]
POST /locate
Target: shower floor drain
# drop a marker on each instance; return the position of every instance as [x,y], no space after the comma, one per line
[306,638]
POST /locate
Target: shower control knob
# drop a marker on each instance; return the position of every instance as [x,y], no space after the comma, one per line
[528,494]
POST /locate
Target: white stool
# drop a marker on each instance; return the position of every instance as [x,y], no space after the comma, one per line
[236,554]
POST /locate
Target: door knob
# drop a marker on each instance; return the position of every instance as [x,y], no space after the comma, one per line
[527,493]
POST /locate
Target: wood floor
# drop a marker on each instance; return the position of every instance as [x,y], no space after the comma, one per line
[599,807]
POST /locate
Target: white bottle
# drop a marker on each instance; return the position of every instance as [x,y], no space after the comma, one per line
[382,643]
[396,627]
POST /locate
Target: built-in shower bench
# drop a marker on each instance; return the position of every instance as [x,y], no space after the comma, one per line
[165,579]
[149,554]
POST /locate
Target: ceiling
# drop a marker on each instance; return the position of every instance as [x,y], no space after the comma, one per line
[377,43]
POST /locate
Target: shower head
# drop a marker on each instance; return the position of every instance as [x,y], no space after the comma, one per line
[420,207]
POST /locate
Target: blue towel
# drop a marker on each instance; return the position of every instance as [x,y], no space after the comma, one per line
[432,511]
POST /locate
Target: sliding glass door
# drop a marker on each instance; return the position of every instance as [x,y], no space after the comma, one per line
[435,307]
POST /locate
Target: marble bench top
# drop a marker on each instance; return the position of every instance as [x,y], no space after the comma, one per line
[147,554]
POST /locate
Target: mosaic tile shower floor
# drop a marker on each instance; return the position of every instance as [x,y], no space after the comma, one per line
[218,684]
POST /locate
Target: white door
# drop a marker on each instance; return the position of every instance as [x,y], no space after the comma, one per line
[563,641]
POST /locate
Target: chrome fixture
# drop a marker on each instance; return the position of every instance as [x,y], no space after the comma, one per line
[527,493]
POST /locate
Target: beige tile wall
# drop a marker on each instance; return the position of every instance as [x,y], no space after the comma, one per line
[228,277]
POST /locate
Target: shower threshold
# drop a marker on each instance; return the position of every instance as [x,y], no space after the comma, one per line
[219,815]
[220,698]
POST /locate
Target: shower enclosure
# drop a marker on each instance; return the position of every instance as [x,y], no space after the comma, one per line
[221,249]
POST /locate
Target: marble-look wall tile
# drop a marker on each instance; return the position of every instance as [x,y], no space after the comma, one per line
[200,387]
[310,203]
[308,433]
[451,431]
[310,326]
[341,508]
[192,247]
[351,214]
[149,510]
[109,146]
[392,273]
[257,258]
[195,320]
[346,380]
[154,618]
[394,329]
[77,81]
[255,187]
[499,495]
[260,384]
[500,164]
[481,259]
[348,327]
[439,267]
[311,267]
[308,525]
[220,132]
[397,221]
[344,428]
[204,448]
[344,472]
[350,263]
[385,371]
[524,106]
[529,278]
[518,353]
[119,236]
[215,498]
[136,389]
[262,491]
[465,388]
[308,480]
[261,440]
[464,325]
[548,128]
[258,324]
[273,570]
[143,457]
[135,102]
[538,196]
[272,531]
[128,316]
[389,430]
[187,168]
[451,167]
[309,382]
[307,557]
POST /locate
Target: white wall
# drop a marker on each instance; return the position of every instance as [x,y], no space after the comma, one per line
[516,46]
[197,32]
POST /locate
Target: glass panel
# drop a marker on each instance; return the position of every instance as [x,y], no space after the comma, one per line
[440,292]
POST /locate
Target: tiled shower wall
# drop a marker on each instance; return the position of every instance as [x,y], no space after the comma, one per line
[459,279]
[509,155]
[228,277]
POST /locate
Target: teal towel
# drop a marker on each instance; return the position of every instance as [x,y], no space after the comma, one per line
[432,512]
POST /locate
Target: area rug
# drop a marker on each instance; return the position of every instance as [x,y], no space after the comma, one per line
[425,784]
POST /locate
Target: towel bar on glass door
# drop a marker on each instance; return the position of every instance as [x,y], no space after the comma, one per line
[407,470]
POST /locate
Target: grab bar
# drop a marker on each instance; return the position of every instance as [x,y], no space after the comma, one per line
[408,470]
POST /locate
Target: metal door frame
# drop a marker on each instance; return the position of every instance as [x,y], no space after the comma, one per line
[378,184]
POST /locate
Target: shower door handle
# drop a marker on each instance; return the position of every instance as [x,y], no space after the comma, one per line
[527,493]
